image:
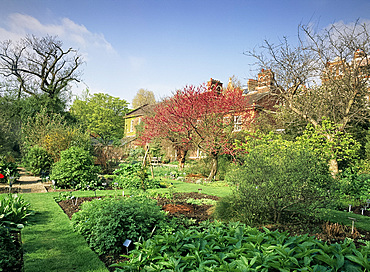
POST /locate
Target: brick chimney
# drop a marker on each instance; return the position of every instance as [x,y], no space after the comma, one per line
[252,85]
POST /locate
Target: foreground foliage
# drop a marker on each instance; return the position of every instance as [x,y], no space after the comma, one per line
[10,253]
[14,212]
[236,247]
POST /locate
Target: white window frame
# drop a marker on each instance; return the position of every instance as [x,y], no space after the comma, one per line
[238,123]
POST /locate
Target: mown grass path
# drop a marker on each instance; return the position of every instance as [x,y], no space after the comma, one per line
[50,244]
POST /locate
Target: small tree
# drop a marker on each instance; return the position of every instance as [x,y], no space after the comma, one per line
[199,118]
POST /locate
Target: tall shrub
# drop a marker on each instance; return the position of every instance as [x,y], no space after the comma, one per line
[75,169]
[278,179]
[38,159]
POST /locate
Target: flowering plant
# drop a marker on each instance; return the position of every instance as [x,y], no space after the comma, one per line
[8,169]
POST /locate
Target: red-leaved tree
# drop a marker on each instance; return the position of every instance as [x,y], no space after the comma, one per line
[199,117]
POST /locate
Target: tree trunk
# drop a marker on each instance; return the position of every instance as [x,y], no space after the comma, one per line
[181,154]
[333,167]
[214,168]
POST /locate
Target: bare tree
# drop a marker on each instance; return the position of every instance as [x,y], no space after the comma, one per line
[39,65]
[326,74]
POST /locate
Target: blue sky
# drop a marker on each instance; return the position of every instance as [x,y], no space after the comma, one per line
[165,45]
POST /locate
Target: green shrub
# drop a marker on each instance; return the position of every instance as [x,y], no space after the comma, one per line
[198,167]
[278,181]
[354,187]
[37,160]
[14,211]
[107,223]
[134,176]
[75,170]
[10,253]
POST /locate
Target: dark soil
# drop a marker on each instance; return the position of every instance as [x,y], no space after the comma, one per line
[178,207]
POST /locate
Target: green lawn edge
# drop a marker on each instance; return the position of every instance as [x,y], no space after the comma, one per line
[342,217]
[49,242]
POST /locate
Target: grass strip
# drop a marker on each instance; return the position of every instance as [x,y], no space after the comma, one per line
[185,187]
[362,222]
[50,244]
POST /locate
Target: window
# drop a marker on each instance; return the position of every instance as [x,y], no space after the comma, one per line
[132,125]
[237,123]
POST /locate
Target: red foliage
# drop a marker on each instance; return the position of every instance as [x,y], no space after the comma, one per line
[198,117]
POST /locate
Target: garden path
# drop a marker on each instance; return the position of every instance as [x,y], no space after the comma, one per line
[26,184]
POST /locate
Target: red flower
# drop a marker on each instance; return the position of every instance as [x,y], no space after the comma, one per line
[2,176]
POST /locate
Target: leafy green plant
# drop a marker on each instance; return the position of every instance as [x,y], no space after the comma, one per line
[9,170]
[14,211]
[202,201]
[75,170]
[63,196]
[134,176]
[10,253]
[354,186]
[37,160]
[107,223]
[236,247]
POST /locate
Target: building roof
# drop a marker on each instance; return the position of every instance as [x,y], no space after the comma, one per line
[141,111]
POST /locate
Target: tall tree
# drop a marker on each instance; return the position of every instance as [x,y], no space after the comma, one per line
[199,117]
[324,75]
[36,65]
[143,97]
[101,114]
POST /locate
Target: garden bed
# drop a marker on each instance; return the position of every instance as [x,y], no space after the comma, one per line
[178,206]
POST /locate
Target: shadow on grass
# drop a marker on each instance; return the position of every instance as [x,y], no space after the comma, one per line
[39,218]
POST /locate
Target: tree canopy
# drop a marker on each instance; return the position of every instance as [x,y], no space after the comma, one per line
[142,98]
[36,65]
[198,117]
[101,114]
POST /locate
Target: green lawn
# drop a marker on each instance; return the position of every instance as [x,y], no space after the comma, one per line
[49,242]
